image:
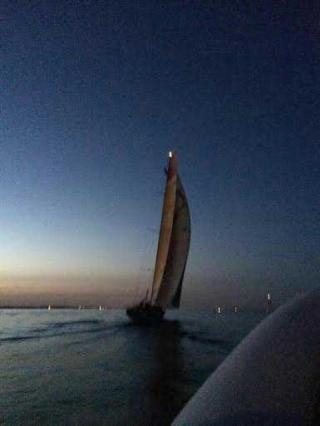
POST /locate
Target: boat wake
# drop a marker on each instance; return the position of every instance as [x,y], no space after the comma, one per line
[98,329]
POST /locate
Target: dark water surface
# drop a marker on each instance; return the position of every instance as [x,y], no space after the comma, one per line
[94,367]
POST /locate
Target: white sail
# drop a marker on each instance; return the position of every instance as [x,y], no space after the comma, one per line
[174,241]
[169,291]
[166,226]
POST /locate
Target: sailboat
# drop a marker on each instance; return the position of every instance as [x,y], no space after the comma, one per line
[172,252]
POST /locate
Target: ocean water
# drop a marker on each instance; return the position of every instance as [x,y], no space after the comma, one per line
[90,367]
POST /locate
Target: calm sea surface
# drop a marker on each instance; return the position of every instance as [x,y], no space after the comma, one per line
[94,367]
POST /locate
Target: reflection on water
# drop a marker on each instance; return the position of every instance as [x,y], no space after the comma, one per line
[165,395]
[166,371]
[89,367]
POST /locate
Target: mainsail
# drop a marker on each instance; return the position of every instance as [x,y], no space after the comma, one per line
[174,242]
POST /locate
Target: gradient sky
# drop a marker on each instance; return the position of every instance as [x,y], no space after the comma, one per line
[93,96]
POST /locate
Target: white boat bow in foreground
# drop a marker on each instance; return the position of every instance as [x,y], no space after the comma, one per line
[271,378]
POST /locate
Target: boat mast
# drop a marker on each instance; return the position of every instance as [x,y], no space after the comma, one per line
[145,300]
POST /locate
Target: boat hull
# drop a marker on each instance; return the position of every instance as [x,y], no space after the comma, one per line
[145,314]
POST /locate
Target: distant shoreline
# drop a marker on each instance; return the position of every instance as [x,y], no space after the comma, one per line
[56,307]
[103,308]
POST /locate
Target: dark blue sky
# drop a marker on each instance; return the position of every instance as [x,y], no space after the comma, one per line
[93,96]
